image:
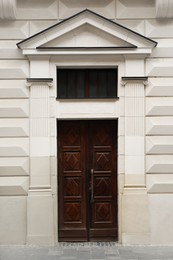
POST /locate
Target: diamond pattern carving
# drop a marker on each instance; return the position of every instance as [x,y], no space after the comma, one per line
[72,212]
[102,212]
[102,137]
[72,186]
[71,137]
[102,186]
[103,161]
[71,161]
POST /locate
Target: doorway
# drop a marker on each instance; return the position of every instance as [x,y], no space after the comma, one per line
[87,180]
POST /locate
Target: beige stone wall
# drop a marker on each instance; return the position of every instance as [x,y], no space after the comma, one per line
[146,199]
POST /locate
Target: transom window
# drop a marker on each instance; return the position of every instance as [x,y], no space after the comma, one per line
[86,83]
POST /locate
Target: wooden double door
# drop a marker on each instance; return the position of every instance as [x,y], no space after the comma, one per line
[87,182]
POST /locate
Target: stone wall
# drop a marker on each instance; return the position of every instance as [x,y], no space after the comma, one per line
[21,19]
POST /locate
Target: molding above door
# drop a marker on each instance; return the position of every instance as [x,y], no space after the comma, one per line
[86,33]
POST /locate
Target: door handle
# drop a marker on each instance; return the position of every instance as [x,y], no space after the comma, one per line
[92,185]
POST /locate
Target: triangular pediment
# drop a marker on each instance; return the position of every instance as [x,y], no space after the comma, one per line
[86,35]
[86,30]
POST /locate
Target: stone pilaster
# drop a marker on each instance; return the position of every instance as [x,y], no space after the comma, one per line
[8,9]
[164,8]
[134,131]
[135,213]
[40,201]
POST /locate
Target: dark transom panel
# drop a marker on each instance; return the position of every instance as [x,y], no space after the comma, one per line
[86,83]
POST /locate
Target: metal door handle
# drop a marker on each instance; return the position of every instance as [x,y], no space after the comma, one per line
[92,185]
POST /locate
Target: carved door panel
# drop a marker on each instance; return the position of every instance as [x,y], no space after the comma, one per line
[87,186]
[103,203]
[72,188]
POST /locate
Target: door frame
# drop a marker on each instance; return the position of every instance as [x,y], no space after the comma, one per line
[116,171]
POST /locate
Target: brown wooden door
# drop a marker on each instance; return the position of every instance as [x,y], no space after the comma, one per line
[87,183]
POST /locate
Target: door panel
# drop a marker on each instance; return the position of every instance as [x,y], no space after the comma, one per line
[103,162]
[72,194]
[87,180]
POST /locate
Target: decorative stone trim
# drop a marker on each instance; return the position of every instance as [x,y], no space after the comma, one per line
[143,80]
[38,81]
[164,8]
[8,9]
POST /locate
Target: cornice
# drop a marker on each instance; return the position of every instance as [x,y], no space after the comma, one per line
[39,81]
[142,79]
[8,9]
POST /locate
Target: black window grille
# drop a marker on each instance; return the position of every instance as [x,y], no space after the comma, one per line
[86,83]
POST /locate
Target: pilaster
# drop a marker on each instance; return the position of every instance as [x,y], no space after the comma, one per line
[135,213]
[8,9]
[134,131]
[164,8]
[40,201]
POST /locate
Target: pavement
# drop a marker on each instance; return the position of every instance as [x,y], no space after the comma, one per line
[86,251]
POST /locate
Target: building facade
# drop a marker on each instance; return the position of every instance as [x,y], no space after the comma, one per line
[86,121]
